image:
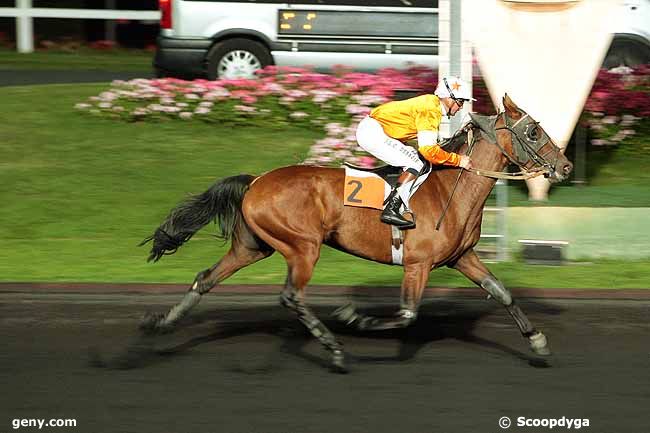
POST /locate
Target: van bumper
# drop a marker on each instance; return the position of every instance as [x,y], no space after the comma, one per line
[181,57]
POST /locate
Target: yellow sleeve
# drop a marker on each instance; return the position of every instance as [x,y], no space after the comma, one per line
[425,117]
[435,155]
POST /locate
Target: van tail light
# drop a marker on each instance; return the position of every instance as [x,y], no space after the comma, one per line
[165,13]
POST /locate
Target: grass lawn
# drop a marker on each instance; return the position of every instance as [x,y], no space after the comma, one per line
[78,193]
[119,60]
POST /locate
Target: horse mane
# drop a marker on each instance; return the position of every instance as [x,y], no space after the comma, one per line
[456,141]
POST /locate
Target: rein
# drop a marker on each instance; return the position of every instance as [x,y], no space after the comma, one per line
[470,143]
[520,175]
[524,174]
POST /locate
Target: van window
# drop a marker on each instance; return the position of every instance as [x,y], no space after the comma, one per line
[360,3]
[353,23]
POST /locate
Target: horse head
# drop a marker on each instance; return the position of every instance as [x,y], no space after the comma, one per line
[525,143]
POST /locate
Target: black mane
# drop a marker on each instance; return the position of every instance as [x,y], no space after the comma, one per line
[454,143]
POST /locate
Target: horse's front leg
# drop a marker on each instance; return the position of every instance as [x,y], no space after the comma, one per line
[474,269]
[415,279]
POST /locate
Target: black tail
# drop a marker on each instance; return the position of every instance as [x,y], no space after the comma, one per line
[222,203]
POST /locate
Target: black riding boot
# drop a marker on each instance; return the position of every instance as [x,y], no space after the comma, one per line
[391,214]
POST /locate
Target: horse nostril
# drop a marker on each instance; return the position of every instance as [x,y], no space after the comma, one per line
[567,168]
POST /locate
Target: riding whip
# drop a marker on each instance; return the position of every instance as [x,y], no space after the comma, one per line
[470,141]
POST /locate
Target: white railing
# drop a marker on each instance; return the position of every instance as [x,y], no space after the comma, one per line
[25,13]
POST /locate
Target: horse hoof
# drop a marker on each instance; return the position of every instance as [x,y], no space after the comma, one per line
[346,314]
[152,323]
[539,344]
[338,362]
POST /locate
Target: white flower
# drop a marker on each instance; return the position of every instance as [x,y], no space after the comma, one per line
[244,108]
[108,96]
[334,128]
[140,111]
[357,109]
[296,94]
[623,70]
[216,93]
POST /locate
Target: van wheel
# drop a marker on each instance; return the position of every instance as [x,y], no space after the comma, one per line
[237,58]
[626,53]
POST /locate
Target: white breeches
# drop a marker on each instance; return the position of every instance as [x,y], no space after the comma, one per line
[372,138]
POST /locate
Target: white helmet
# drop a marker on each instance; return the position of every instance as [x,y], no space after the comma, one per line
[455,88]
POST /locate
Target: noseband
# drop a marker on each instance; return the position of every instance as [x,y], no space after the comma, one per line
[530,139]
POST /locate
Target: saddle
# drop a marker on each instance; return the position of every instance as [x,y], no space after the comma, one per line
[387,172]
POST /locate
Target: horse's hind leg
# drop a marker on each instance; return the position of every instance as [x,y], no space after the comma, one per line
[301,266]
[245,250]
[472,267]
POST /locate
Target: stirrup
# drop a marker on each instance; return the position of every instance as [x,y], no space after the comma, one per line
[409,225]
[412,222]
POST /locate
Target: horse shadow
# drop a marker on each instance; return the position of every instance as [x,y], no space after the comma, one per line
[449,318]
[439,319]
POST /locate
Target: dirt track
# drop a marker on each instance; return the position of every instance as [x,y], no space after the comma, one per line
[243,364]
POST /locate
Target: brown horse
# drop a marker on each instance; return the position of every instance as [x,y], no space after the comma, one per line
[294,210]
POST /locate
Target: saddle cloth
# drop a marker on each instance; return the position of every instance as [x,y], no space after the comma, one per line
[368,189]
[364,189]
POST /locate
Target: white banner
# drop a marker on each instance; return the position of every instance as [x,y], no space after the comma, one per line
[544,54]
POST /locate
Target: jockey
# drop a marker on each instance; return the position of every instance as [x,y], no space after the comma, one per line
[390,125]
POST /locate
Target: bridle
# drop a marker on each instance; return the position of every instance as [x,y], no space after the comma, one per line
[527,141]
[530,138]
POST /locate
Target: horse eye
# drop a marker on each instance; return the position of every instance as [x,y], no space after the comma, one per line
[533,133]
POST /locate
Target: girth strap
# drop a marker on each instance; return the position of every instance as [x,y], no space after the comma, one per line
[397,245]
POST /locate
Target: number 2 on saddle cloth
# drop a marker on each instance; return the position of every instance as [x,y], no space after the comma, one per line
[364,189]
[369,188]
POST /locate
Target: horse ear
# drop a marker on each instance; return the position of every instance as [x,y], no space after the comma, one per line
[510,107]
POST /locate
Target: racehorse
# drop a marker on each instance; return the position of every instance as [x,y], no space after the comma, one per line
[296,209]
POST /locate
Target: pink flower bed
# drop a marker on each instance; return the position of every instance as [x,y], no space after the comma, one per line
[619,99]
[335,102]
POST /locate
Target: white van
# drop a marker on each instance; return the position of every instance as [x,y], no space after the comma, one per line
[631,44]
[234,38]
